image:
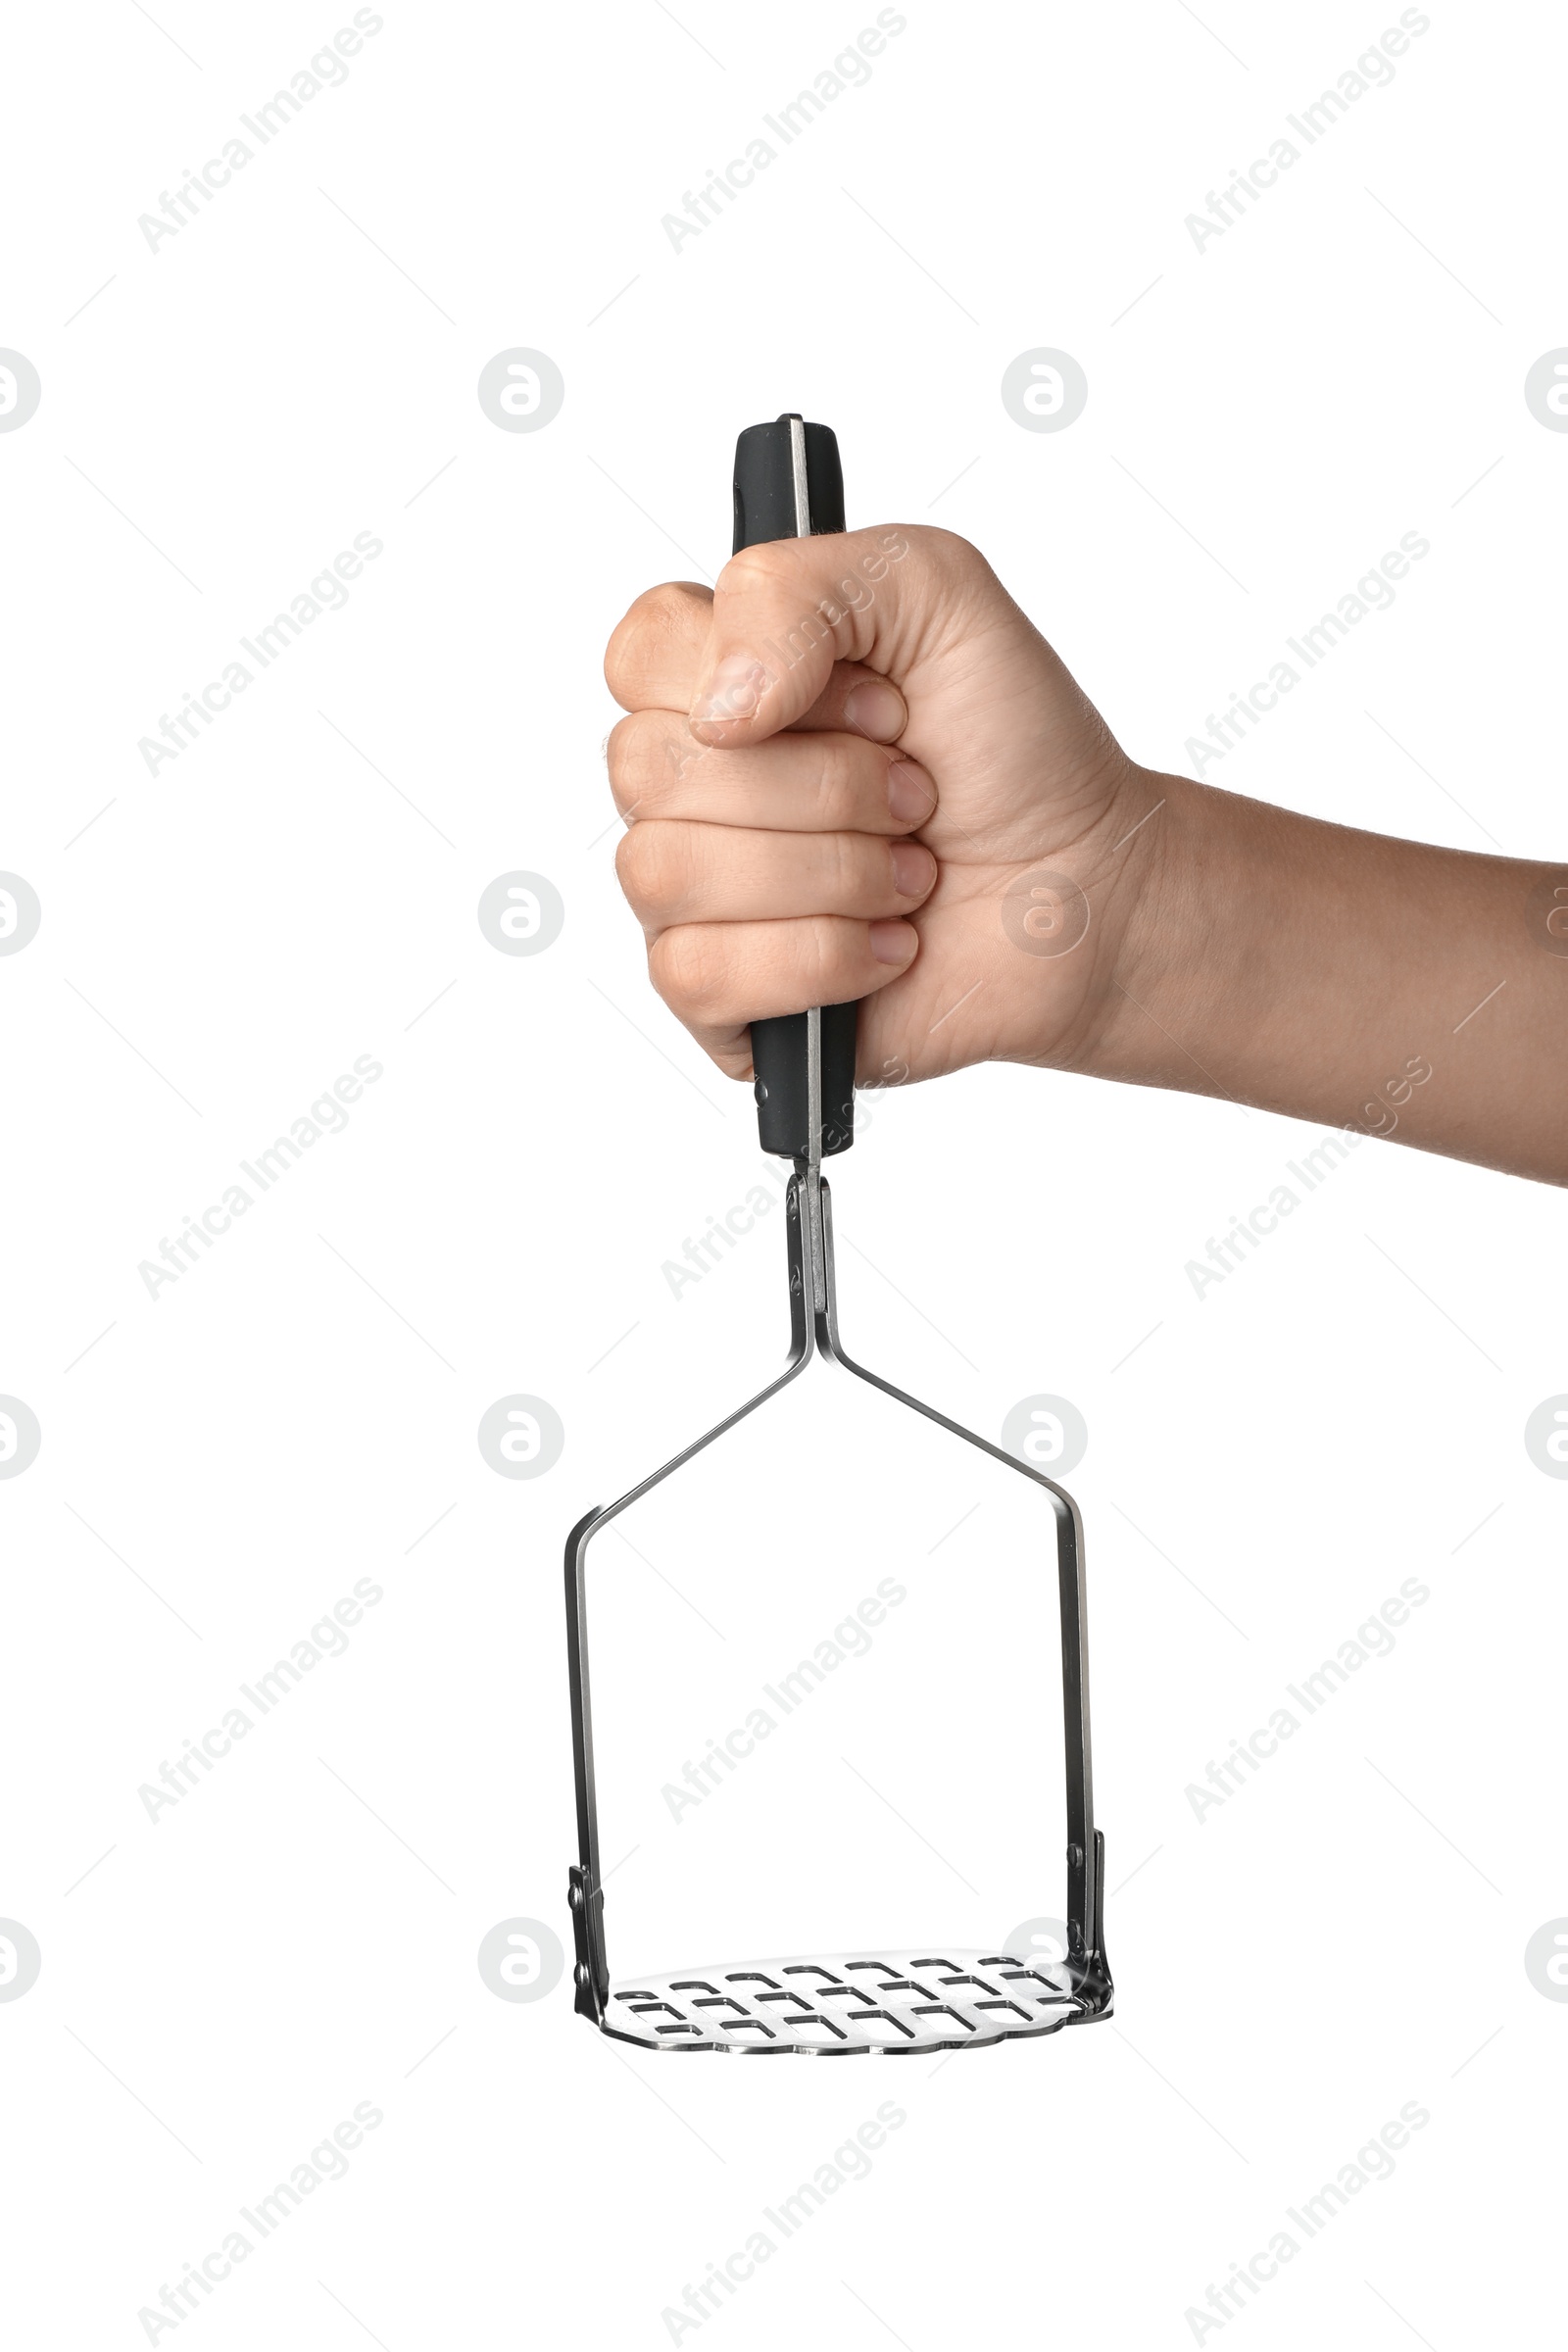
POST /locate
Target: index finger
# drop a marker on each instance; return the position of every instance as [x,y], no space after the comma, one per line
[785,611]
[657,652]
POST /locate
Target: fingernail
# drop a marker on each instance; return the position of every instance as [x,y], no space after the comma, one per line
[733,691]
[893,941]
[875,709]
[913,868]
[912,795]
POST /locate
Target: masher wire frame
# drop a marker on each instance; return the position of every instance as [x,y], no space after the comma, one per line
[1080,1988]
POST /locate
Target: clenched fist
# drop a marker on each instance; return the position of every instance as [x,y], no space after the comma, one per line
[834,770]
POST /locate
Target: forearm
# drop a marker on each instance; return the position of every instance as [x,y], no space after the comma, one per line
[1303,967]
[919,811]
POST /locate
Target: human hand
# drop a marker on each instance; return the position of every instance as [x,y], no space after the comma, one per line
[841,772]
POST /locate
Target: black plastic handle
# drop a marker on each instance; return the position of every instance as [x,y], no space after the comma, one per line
[789,485]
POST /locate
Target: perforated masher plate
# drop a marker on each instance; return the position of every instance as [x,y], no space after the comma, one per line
[896,2003]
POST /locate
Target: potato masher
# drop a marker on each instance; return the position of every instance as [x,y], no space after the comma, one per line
[788,484]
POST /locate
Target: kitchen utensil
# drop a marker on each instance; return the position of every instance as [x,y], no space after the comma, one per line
[788,484]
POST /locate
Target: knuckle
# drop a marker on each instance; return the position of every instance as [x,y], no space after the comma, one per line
[937,546]
[632,757]
[692,967]
[654,865]
[661,626]
[670,610]
[765,567]
[953,562]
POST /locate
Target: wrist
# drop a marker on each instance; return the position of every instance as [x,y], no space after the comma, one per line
[1155,933]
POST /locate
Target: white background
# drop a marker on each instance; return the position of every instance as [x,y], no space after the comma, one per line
[219,1464]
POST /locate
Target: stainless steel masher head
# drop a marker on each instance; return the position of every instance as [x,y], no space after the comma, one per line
[788,484]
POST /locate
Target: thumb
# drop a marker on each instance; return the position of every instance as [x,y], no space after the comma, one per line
[786,611]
